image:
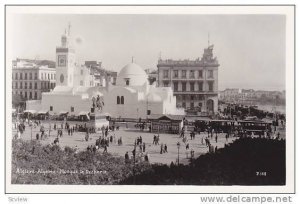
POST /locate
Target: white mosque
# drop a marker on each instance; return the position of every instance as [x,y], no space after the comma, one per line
[134,97]
[74,94]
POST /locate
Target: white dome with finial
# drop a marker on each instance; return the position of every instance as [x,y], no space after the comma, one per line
[132,75]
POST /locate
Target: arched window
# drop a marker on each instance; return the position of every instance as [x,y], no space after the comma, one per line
[118,99]
[122,99]
[127,82]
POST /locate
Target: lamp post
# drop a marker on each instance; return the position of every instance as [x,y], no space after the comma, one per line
[178,146]
[31,132]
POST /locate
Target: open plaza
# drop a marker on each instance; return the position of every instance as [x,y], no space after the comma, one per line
[129,134]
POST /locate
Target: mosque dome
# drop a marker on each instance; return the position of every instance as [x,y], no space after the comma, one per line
[132,75]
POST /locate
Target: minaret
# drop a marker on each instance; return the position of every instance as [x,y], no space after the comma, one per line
[65,60]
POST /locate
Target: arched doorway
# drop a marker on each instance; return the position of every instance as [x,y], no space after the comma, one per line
[210,105]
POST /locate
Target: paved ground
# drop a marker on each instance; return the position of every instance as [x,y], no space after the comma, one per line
[128,136]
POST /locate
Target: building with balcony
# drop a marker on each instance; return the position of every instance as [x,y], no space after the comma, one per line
[194,82]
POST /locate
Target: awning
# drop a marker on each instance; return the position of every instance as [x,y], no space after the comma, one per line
[63,112]
[42,112]
[83,113]
[30,111]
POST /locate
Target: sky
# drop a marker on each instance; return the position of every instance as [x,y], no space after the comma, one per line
[250,48]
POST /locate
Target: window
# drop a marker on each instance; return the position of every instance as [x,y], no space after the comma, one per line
[210,74]
[183,104]
[192,97]
[148,112]
[192,105]
[192,86]
[72,109]
[48,76]
[35,75]
[183,74]
[16,85]
[30,95]
[175,86]
[21,85]
[166,84]
[25,95]
[21,94]
[21,75]
[166,73]
[42,76]
[192,74]
[16,75]
[200,74]
[122,99]
[127,82]
[35,95]
[30,76]
[51,108]
[118,99]
[81,72]
[200,88]
[25,85]
[175,73]
[25,76]
[48,84]
[81,83]
[35,85]
[183,97]
[210,86]
[183,86]
[30,85]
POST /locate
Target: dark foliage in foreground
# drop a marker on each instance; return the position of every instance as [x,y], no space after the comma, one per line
[33,156]
[236,164]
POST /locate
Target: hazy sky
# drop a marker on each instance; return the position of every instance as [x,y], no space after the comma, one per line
[250,48]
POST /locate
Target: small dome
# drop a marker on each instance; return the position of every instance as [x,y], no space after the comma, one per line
[132,75]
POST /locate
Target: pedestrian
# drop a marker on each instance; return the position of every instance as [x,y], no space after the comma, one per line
[126,157]
[166,148]
[192,153]
[144,147]
[133,153]
[161,148]
[105,148]
[216,138]
[37,136]
[147,157]
[187,146]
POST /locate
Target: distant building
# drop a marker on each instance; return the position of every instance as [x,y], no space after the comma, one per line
[152,76]
[102,76]
[194,82]
[30,78]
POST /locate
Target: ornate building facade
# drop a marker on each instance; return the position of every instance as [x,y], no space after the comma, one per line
[194,82]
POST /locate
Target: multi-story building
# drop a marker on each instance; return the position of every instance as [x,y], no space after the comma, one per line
[102,76]
[31,78]
[194,82]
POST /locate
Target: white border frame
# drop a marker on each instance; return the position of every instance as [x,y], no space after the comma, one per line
[288,11]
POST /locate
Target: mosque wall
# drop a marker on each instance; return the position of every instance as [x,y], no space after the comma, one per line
[64,103]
